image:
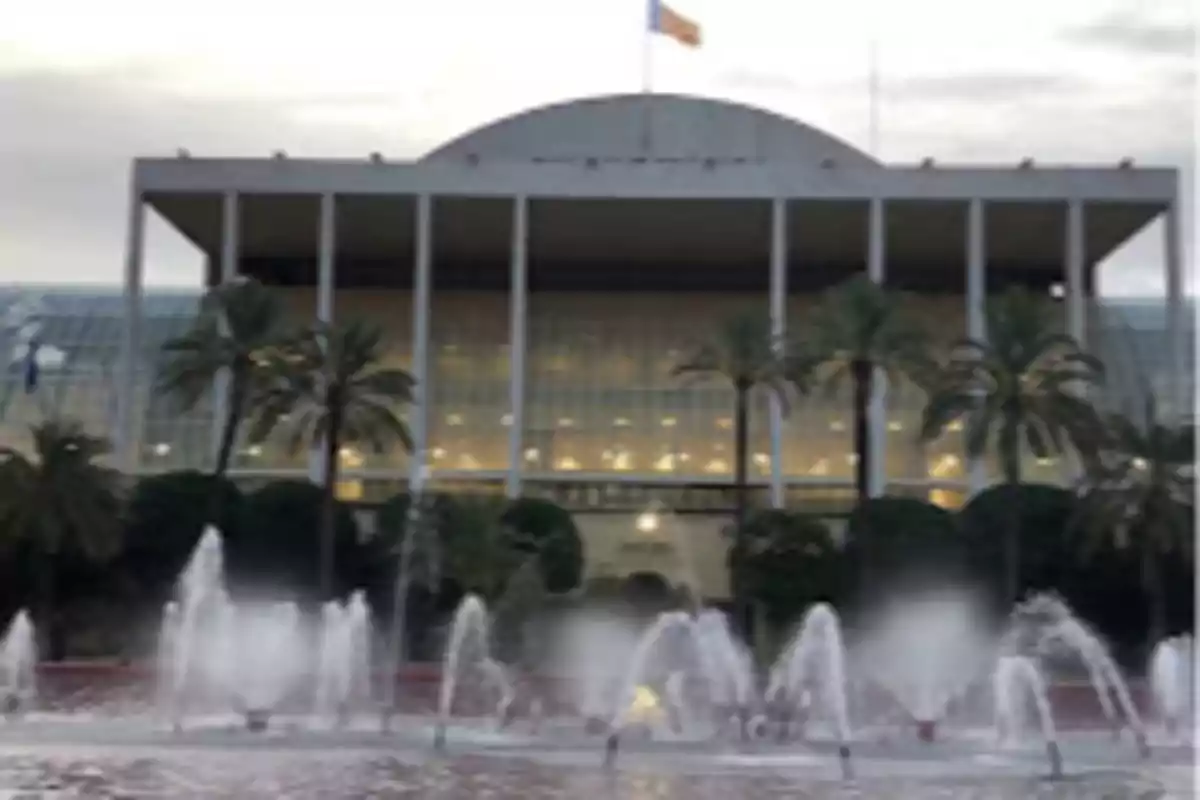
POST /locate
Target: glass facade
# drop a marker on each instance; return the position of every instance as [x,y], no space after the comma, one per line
[78,339]
[601,397]
[602,408]
[469,417]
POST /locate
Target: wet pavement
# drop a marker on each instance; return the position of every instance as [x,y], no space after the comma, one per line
[186,773]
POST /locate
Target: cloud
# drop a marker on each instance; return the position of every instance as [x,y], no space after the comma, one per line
[69,138]
[1126,32]
[983,87]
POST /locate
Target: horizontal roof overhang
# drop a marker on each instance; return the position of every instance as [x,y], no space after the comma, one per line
[713,218]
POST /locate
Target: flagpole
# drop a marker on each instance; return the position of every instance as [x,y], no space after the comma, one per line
[648,51]
[648,26]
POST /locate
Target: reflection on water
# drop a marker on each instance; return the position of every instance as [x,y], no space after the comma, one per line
[265,775]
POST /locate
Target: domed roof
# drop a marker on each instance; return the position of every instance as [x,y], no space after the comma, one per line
[680,127]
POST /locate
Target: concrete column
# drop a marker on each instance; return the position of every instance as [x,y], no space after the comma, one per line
[778,310]
[422,261]
[1076,298]
[230,248]
[1173,265]
[976,317]
[326,247]
[518,313]
[877,411]
[125,426]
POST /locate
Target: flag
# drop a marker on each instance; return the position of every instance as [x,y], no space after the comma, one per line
[669,22]
[31,366]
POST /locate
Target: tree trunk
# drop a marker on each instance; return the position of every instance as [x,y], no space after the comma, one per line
[741,424]
[1010,462]
[53,645]
[863,374]
[333,435]
[229,431]
[1156,606]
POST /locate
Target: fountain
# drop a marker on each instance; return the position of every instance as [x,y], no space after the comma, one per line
[727,669]
[814,658]
[18,660]
[469,646]
[1053,627]
[1172,670]
[343,679]
[1013,673]
[925,650]
[212,651]
[668,631]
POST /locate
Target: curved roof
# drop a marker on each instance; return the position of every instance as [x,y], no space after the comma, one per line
[681,128]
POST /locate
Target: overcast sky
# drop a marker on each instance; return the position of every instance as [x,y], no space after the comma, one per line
[85,86]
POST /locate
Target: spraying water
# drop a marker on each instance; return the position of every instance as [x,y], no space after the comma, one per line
[725,662]
[671,628]
[1055,627]
[469,645]
[18,664]
[815,659]
[926,650]
[213,652]
[1017,679]
[1172,670]
[343,679]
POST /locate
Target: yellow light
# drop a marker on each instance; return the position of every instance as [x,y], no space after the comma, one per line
[762,459]
[668,422]
[568,464]
[623,460]
[837,426]
[647,522]
[506,420]
[717,465]
[644,709]
[531,454]
[724,423]
[955,426]
[820,468]
[438,453]
[895,426]
[1140,463]
[454,419]
[565,422]
[467,461]
[665,463]
[621,422]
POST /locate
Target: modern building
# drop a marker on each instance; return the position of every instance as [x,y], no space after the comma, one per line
[541,275]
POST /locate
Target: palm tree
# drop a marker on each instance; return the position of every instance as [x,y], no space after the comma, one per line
[326,387]
[745,354]
[1025,386]
[58,500]
[859,328]
[239,322]
[1138,490]
[488,556]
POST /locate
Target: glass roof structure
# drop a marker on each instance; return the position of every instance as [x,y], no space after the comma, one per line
[78,337]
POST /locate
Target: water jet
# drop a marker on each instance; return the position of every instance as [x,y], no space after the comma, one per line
[611,745]
[847,764]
